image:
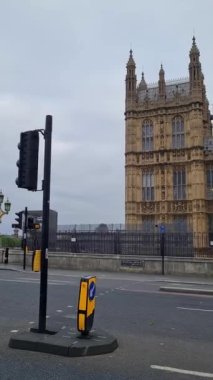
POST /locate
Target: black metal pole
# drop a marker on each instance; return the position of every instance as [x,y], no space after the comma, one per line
[25,237]
[45,225]
[162,246]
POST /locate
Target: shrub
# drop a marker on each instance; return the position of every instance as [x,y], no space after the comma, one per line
[9,241]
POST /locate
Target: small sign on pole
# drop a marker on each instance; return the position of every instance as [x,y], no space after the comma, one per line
[162,229]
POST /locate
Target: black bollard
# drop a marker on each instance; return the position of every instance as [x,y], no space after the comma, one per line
[6,255]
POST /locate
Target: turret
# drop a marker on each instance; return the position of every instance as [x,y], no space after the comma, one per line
[142,84]
[162,83]
[195,72]
[131,80]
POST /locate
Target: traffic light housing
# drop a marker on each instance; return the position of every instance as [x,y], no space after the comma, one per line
[19,220]
[30,223]
[28,160]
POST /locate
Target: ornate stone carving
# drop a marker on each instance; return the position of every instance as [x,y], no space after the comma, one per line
[157,207]
[190,207]
[179,206]
[148,207]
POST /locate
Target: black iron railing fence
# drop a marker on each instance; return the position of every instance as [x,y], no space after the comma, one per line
[119,241]
[134,243]
[151,227]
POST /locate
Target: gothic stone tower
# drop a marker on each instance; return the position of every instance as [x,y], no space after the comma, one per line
[169,163]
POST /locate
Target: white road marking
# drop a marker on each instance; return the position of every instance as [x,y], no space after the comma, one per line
[69,306]
[8,280]
[186,372]
[59,311]
[35,281]
[49,281]
[31,323]
[29,278]
[71,316]
[13,331]
[55,283]
[194,309]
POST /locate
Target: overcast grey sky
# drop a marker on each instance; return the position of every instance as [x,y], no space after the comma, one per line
[68,59]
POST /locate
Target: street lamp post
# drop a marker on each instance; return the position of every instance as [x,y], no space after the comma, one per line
[7,206]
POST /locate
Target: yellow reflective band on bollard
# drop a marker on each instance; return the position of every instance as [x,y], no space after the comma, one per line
[37,261]
[81,322]
[83,296]
[86,304]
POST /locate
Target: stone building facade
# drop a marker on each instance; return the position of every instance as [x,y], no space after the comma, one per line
[168,152]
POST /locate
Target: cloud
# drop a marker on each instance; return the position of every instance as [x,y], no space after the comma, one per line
[68,59]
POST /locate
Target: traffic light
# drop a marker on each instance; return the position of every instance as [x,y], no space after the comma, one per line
[28,160]
[30,223]
[19,220]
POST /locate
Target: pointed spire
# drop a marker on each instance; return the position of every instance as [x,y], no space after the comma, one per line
[131,61]
[142,84]
[161,82]
[195,72]
[161,72]
[131,79]
[194,49]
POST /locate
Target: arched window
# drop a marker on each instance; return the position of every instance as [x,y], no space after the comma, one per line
[148,186]
[179,184]
[178,132]
[209,175]
[147,136]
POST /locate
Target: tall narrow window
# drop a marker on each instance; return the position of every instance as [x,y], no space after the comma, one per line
[180,224]
[179,184]
[148,224]
[209,175]
[147,135]
[148,186]
[178,132]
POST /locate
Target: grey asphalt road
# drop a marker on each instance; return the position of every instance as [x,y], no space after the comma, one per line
[161,335]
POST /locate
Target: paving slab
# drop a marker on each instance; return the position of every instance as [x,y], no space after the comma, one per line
[65,342]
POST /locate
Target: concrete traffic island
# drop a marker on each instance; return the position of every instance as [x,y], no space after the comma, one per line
[65,342]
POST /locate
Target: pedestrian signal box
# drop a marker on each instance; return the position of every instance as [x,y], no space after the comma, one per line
[86,304]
